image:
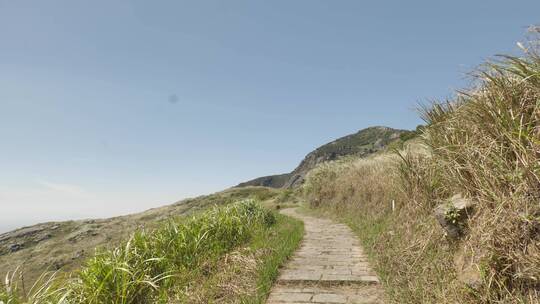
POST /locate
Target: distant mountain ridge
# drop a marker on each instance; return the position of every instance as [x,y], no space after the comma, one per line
[361,143]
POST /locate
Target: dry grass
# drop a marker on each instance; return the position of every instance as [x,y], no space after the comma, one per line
[484,145]
[232,280]
[246,274]
[404,243]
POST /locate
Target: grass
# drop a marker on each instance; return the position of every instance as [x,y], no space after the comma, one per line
[177,262]
[281,243]
[65,246]
[246,275]
[484,145]
[400,244]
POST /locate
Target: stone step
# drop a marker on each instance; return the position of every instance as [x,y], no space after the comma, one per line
[324,294]
[329,267]
[330,278]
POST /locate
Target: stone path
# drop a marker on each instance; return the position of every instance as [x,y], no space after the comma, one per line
[329,267]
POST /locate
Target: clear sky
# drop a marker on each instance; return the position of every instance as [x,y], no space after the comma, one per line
[112,107]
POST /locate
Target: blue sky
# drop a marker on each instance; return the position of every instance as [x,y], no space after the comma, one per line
[112,107]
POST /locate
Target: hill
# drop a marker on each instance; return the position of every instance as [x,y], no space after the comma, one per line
[361,143]
[66,245]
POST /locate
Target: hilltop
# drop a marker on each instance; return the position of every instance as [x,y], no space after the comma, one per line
[362,143]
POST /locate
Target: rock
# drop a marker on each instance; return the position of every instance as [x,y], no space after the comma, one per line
[78,255]
[15,247]
[378,144]
[453,214]
[58,264]
[43,237]
[25,232]
[467,272]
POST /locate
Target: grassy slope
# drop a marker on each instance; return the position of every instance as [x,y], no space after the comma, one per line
[485,146]
[65,245]
[403,245]
[226,255]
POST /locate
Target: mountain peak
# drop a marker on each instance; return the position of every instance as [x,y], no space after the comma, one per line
[361,143]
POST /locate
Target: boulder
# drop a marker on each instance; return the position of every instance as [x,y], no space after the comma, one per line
[452,215]
[467,271]
[15,247]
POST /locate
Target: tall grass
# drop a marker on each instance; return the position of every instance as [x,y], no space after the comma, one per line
[484,145]
[487,144]
[247,274]
[153,263]
[402,242]
[44,290]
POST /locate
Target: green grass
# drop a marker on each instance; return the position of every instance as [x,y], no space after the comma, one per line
[282,240]
[359,143]
[67,245]
[247,275]
[178,262]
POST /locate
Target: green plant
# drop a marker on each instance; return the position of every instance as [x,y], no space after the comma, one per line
[452,215]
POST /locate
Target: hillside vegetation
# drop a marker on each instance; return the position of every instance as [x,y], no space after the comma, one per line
[228,254]
[482,147]
[64,246]
[361,144]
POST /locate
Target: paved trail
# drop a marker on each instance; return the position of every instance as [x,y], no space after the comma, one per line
[329,267]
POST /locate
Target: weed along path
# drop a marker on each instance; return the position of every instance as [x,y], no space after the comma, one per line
[329,267]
